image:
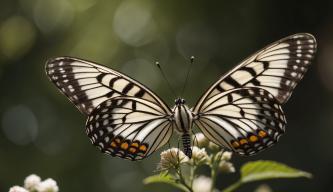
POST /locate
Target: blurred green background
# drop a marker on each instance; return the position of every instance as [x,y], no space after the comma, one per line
[41,132]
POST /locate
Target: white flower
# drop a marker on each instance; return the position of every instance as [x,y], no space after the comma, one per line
[17,189]
[171,158]
[227,167]
[48,185]
[199,155]
[214,147]
[202,184]
[263,188]
[226,156]
[200,140]
[31,182]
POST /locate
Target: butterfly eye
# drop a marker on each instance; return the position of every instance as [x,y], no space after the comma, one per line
[179,101]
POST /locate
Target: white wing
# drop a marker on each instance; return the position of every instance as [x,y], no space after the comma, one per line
[87,84]
[277,68]
[247,116]
[129,127]
[245,120]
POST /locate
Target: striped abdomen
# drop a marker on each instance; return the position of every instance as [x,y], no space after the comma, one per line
[186,139]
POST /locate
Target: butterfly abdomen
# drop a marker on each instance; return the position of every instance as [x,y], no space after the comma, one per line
[186,139]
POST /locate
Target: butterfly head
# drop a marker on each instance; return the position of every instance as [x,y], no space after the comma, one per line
[180,101]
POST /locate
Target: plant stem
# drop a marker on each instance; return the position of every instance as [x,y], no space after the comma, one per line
[192,171]
[213,176]
[232,187]
[214,168]
[181,178]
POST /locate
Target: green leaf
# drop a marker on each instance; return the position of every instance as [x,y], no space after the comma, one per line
[167,179]
[262,170]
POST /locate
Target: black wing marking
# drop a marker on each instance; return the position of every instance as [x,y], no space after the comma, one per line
[245,120]
[129,127]
[277,68]
[87,84]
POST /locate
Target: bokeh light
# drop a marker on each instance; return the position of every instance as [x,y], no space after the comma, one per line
[188,44]
[51,16]
[111,167]
[83,5]
[20,125]
[143,70]
[133,23]
[17,36]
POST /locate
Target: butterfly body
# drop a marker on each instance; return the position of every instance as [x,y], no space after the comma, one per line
[242,111]
[183,120]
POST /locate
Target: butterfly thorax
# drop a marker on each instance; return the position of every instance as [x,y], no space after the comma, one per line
[183,119]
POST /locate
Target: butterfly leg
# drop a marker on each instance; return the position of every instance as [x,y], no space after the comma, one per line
[195,140]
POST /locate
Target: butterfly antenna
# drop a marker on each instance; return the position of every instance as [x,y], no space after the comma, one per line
[165,78]
[188,74]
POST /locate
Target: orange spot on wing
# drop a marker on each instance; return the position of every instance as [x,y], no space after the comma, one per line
[143,148]
[262,133]
[235,144]
[135,144]
[117,140]
[253,138]
[113,144]
[243,141]
[132,150]
[124,146]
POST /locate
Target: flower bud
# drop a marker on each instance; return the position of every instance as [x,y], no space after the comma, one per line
[202,184]
[212,146]
[31,182]
[226,156]
[171,158]
[200,140]
[199,155]
[263,188]
[226,167]
[17,189]
[48,185]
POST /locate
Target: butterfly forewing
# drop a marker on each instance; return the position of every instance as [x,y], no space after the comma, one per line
[245,120]
[129,127]
[277,68]
[87,84]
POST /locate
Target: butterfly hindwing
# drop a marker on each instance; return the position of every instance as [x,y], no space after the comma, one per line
[129,127]
[245,120]
[87,84]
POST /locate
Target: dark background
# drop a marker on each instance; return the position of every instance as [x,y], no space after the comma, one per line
[41,132]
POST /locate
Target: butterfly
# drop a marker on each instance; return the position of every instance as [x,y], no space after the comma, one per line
[240,112]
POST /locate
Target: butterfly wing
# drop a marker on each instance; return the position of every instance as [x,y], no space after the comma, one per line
[276,68]
[88,84]
[245,120]
[264,81]
[129,127]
